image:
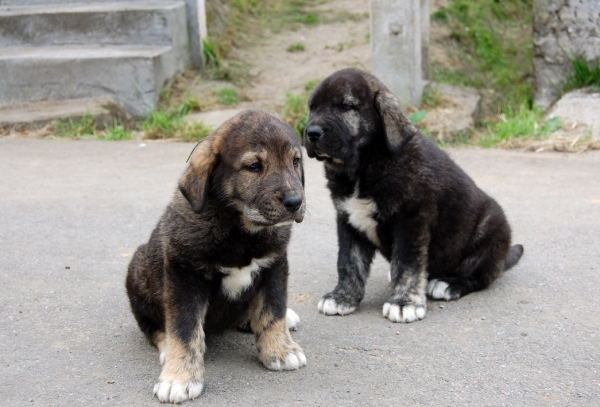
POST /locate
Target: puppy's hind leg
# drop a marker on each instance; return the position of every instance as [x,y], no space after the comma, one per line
[354,259]
[146,310]
[483,266]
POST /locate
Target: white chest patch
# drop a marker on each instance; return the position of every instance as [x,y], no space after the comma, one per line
[239,279]
[361,215]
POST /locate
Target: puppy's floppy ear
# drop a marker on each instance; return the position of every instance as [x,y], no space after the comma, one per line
[398,130]
[195,182]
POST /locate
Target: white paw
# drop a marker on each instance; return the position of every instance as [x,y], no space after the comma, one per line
[438,290]
[293,360]
[292,319]
[162,357]
[330,307]
[177,392]
[407,313]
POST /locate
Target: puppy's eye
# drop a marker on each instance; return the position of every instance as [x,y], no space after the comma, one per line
[296,162]
[255,167]
[346,107]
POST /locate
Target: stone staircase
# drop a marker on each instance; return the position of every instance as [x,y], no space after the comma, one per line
[64,52]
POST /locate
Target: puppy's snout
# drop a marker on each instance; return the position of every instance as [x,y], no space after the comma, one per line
[314,132]
[292,202]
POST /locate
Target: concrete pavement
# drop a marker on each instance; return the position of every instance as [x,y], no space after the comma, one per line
[73,212]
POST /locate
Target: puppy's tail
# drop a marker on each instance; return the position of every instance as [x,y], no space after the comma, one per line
[514,254]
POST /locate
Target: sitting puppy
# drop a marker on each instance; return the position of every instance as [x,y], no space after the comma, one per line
[218,256]
[395,191]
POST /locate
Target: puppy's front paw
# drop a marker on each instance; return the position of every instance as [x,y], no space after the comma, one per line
[329,306]
[292,360]
[403,312]
[177,392]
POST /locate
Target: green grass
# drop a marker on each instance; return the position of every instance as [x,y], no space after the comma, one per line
[227,96]
[417,117]
[76,129]
[115,133]
[524,123]
[297,47]
[583,74]
[492,41]
[194,131]
[295,108]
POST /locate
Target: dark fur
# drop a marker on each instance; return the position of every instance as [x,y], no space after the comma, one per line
[432,221]
[175,281]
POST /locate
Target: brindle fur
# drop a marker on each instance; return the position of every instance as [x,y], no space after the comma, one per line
[432,221]
[224,214]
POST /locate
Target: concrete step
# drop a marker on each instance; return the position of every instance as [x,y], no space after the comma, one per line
[114,23]
[34,115]
[133,75]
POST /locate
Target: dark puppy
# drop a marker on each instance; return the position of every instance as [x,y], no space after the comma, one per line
[395,191]
[218,256]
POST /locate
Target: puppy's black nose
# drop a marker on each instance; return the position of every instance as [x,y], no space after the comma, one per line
[292,202]
[314,132]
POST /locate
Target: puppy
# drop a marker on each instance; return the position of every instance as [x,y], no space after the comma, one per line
[397,193]
[218,256]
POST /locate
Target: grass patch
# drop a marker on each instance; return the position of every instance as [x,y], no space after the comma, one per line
[297,47]
[295,108]
[83,127]
[227,96]
[492,41]
[583,74]
[524,123]
[116,133]
[418,116]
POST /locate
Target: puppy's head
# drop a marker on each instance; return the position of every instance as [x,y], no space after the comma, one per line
[351,109]
[253,165]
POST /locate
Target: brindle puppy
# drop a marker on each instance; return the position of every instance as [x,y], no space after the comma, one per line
[218,256]
[396,192]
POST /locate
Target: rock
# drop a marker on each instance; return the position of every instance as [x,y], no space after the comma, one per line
[456,114]
[581,109]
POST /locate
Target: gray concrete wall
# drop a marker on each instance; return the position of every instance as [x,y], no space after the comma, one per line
[562,29]
[400,45]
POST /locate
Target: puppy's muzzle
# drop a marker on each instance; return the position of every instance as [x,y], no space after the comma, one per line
[314,133]
[292,202]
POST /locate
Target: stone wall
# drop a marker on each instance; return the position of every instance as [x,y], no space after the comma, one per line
[562,29]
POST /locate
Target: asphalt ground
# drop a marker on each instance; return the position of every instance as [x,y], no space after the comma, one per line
[73,212]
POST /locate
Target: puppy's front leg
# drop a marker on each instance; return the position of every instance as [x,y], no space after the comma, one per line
[408,273]
[355,254]
[276,348]
[182,376]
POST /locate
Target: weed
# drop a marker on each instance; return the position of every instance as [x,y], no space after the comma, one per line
[83,127]
[295,108]
[297,47]
[189,104]
[416,117]
[115,133]
[583,74]
[194,131]
[431,98]
[493,43]
[522,123]
[162,124]
[227,96]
